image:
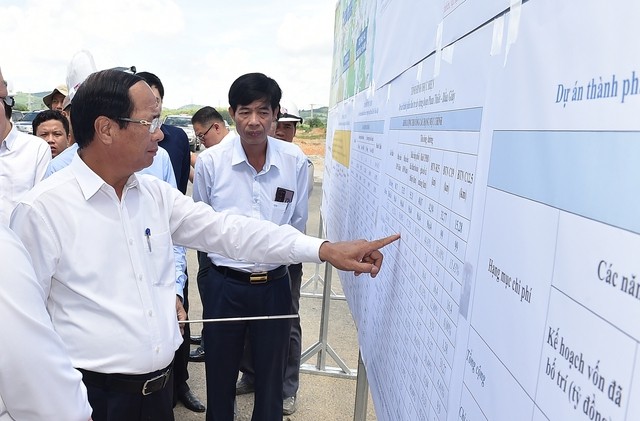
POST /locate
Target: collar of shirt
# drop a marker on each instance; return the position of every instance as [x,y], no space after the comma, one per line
[90,182]
[229,136]
[10,140]
[272,157]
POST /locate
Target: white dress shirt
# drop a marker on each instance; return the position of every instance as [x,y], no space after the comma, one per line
[161,168]
[226,181]
[37,380]
[108,270]
[23,162]
[229,136]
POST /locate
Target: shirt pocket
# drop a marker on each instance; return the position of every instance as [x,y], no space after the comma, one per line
[278,211]
[158,252]
[21,183]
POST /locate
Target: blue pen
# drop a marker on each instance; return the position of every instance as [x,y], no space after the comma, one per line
[147,233]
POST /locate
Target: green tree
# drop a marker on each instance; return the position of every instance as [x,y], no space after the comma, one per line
[315,122]
[224,112]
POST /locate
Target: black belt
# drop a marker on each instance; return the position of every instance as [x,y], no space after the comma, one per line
[145,384]
[253,278]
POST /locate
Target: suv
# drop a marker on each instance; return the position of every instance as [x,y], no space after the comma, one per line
[184,122]
[24,124]
[16,115]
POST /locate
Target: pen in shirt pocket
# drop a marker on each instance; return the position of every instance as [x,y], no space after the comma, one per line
[147,233]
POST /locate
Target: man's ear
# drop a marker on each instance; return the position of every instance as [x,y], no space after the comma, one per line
[232,113]
[104,128]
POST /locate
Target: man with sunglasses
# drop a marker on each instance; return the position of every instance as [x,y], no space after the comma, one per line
[23,157]
[120,238]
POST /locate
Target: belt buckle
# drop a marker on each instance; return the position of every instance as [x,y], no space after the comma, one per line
[152,381]
[259,277]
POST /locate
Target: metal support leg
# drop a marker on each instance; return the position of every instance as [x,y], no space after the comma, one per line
[316,280]
[362,389]
[322,347]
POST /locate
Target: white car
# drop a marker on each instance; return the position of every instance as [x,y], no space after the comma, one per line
[25,123]
[184,122]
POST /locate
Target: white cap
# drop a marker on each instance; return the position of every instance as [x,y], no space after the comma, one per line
[80,67]
[289,112]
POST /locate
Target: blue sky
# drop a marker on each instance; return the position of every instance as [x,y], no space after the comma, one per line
[197,47]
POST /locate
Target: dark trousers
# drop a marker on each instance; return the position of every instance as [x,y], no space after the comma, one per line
[109,405]
[224,343]
[292,370]
[181,358]
[204,263]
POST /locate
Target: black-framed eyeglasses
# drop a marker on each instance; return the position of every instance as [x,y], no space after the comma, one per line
[8,100]
[153,124]
[201,136]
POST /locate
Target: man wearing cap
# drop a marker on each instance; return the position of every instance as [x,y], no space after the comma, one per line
[54,100]
[23,158]
[286,128]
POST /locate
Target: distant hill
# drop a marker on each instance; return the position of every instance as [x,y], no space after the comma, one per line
[190,107]
[29,102]
[320,113]
[33,101]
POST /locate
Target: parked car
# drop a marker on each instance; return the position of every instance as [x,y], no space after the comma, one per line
[16,115]
[184,122]
[25,123]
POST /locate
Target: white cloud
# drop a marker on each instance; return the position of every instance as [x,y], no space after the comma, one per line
[196,47]
[307,34]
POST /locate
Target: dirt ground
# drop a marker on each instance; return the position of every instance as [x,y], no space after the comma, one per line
[312,143]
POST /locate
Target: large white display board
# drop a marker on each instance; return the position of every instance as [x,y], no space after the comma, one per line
[508,162]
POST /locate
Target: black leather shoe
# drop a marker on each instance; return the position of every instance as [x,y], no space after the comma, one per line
[191,402]
[244,386]
[197,355]
[195,339]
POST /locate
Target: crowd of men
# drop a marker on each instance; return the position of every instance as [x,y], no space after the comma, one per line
[95,220]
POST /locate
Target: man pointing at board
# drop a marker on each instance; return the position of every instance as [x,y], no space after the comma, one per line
[120,236]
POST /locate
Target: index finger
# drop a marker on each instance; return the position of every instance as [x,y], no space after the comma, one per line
[381,242]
